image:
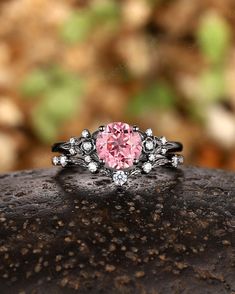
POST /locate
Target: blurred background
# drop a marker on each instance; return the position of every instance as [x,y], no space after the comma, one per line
[66,65]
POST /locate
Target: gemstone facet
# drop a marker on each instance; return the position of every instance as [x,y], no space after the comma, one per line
[87,146]
[147,166]
[63,160]
[118,145]
[72,151]
[152,157]
[55,160]
[149,145]
[92,166]
[176,160]
[87,158]
[120,177]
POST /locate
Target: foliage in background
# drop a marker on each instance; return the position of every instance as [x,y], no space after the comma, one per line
[214,38]
[214,41]
[130,60]
[157,96]
[84,22]
[58,93]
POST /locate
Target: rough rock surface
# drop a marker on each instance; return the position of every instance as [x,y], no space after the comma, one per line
[67,231]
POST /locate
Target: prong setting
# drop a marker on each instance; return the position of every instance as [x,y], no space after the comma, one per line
[120,178]
[101,128]
[102,161]
[86,133]
[136,161]
[141,152]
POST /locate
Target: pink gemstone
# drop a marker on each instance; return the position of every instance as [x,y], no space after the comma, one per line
[118,145]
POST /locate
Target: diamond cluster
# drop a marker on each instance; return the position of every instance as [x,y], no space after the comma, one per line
[119,151]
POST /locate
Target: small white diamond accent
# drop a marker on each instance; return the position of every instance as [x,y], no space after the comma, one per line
[163,151]
[87,146]
[176,160]
[72,151]
[152,157]
[63,160]
[163,140]
[85,133]
[72,140]
[181,159]
[147,166]
[149,132]
[120,178]
[92,166]
[87,158]
[55,160]
[149,145]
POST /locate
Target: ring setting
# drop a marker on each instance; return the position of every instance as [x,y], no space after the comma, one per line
[119,151]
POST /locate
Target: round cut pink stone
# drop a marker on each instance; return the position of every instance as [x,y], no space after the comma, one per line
[118,145]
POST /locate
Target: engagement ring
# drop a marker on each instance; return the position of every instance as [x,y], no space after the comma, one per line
[119,151]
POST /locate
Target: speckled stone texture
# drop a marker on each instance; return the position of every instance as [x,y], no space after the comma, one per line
[67,231]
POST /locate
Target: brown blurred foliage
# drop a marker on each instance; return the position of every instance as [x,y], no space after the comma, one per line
[68,65]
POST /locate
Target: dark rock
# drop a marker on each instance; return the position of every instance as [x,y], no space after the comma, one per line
[67,231]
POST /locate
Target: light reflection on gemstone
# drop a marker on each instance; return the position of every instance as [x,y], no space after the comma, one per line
[120,177]
[118,145]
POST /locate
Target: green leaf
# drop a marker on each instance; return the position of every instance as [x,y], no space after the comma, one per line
[163,96]
[107,11]
[156,96]
[61,78]
[213,85]
[214,37]
[60,104]
[77,27]
[45,128]
[58,75]
[60,92]
[81,23]
[35,83]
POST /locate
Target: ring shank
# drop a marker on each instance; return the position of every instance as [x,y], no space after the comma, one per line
[171,147]
[57,147]
[174,146]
